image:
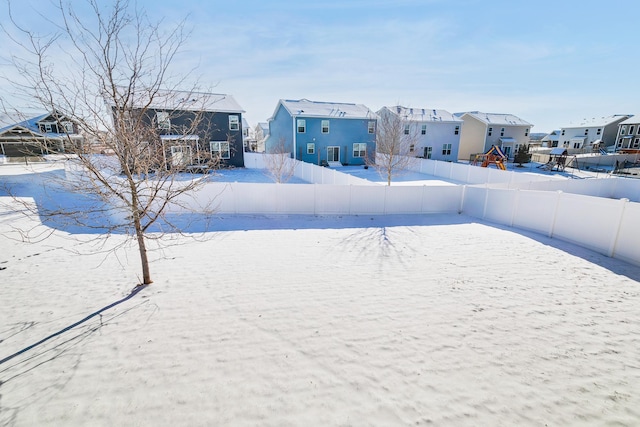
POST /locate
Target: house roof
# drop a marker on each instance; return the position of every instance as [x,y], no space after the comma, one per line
[597,121]
[187,101]
[424,114]
[27,121]
[633,120]
[553,136]
[338,110]
[496,118]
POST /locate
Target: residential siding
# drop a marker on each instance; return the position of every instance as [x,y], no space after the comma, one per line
[472,140]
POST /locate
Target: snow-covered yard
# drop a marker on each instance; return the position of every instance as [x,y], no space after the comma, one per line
[319,320]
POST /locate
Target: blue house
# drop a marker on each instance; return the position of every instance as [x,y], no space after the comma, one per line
[323,133]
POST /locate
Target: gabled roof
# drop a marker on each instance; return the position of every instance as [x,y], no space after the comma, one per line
[497,119]
[337,110]
[597,121]
[187,101]
[423,114]
[27,122]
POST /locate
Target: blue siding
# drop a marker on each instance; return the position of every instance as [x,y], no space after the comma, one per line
[342,133]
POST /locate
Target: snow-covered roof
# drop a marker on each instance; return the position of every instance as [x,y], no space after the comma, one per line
[187,101]
[423,114]
[28,121]
[307,108]
[496,118]
[553,136]
[597,121]
[633,120]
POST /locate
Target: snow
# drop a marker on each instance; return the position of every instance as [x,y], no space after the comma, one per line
[305,320]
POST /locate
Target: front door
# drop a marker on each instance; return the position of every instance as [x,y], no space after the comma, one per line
[333,154]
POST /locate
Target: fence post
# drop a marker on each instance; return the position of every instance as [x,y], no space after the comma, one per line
[552,226]
[462,196]
[516,202]
[616,233]
[486,201]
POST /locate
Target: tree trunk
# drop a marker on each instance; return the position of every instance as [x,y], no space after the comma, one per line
[142,248]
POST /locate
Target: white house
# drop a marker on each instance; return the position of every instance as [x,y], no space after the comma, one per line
[482,130]
[437,132]
[628,138]
[591,134]
[551,140]
[261,133]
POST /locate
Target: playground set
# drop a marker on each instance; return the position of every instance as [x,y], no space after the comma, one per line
[495,156]
[557,160]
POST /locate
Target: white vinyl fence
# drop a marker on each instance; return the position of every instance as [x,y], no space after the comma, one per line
[599,220]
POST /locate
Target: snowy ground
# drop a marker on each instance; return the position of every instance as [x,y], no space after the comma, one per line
[328,321]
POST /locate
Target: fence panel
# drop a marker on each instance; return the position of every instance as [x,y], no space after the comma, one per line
[332,199]
[587,221]
[535,210]
[500,205]
[445,199]
[627,244]
[368,199]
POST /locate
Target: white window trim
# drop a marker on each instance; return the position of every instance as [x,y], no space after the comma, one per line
[301,124]
[234,122]
[219,149]
[311,148]
[163,119]
[371,127]
[322,126]
[359,149]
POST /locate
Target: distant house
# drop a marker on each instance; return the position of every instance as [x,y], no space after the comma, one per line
[436,132]
[591,134]
[628,138]
[551,140]
[322,132]
[482,130]
[37,134]
[191,128]
[260,132]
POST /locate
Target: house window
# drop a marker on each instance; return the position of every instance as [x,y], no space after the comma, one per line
[302,125]
[576,144]
[631,129]
[526,132]
[423,131]
[412,148]
[623,130]
[636,143]
[68,127]
[164,122]
[501,131]
[406,129]
[220,149]
[620,143]
[446,149]
[359,149]
[180,155]
[562,132]
[427,152]
[371,127]
[490,131]
[234,122]
[456,131]
[325,126]
[311,148]
[599,131]
[586,132]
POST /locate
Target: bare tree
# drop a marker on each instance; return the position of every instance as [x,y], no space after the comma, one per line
[108,72]
[279,164]
[396,139]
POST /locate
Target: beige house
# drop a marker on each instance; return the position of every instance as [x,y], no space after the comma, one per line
[482,130]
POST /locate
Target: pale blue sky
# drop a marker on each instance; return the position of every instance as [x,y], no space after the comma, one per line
[548,62]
